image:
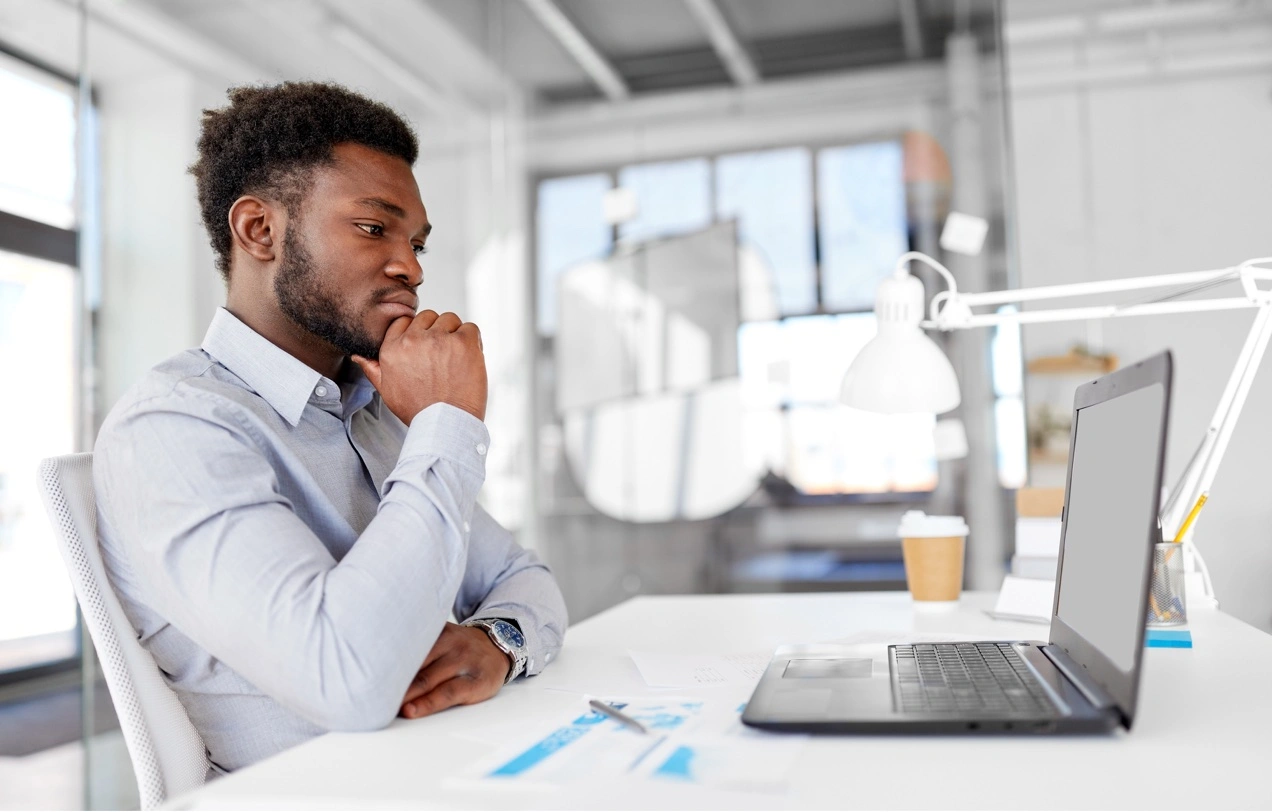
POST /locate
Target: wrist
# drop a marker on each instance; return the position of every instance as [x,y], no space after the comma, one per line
[506,636]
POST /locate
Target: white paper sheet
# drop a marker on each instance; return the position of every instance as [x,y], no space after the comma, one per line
[737,763]
[1025,599]
[691,741]
[588,746]
[664,670]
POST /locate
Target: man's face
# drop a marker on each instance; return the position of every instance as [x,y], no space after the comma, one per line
[350,260]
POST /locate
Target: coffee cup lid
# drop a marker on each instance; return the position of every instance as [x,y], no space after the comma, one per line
[917,524]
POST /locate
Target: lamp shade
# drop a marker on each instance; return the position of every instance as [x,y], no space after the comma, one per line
[900,370]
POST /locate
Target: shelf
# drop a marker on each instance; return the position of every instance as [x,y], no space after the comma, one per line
[1072,363]
[1047,458]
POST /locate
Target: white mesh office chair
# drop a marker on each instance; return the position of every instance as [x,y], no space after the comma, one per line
[167,752]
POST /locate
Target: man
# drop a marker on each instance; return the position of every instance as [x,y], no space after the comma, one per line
[288,513]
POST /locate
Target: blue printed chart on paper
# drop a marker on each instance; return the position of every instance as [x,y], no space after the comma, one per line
[689,743]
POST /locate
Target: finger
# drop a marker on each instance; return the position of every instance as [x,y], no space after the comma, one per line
[424,319]
[448,322]
[396,328]
[470,331]
[456,691]
[433,676]
[369,368]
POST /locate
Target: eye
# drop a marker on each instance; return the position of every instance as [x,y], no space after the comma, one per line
[420,250]
[374,229]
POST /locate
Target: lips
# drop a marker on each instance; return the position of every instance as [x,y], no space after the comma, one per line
[400,305]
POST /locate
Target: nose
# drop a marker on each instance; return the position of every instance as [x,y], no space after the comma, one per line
[405,267]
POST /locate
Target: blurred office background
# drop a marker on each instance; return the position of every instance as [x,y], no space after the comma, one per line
[669,218]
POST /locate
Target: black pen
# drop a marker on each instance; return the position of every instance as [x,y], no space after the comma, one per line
[617,716]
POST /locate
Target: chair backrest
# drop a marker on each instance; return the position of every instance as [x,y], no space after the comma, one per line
[167,752]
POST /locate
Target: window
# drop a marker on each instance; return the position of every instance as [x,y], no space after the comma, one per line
[37,159]
[818,228]
[1009,406]
[572,229]
[39,303]
[861,219]
[673,197]
[828,448]
[770,195]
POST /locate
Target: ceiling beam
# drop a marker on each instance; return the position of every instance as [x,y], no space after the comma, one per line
[391,70]
[725,41]
[464,52]
[597,67]
[911,29]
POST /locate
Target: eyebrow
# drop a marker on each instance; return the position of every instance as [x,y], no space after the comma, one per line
[391,208]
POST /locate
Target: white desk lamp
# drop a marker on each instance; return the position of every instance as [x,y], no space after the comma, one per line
[902,370]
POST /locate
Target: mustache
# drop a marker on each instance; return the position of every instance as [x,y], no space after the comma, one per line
[385,293]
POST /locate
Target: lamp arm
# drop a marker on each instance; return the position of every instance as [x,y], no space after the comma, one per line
[1201,473]
[951,310]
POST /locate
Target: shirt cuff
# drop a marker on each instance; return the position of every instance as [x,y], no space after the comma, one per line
[450,433]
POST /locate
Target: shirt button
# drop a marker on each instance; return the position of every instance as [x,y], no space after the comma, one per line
[481,449]
[467,527]
[321,391]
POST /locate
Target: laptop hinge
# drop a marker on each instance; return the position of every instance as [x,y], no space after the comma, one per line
[1094,693]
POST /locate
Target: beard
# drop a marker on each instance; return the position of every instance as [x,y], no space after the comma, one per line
[312,307]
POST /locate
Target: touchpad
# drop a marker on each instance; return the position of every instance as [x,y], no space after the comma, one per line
[828,669]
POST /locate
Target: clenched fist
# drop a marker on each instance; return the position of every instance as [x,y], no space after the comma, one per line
[429,359]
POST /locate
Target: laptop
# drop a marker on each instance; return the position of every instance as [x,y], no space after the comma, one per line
[1085,678]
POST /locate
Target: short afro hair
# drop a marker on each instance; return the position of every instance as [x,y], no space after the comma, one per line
[268,140]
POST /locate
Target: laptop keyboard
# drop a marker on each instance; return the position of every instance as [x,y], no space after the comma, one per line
[962,677]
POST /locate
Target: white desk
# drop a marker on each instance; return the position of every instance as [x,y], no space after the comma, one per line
[1202,736]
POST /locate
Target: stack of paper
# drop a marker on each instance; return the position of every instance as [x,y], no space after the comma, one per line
[1027,592]
[1028,599]
[1038,532]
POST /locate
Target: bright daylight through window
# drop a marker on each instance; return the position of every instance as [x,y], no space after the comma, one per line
[37,341]
[818,228]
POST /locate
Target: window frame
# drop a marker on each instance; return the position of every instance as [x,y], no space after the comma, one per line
[38,240]
[611,171]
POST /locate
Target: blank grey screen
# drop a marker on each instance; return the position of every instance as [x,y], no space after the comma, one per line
[1109,515]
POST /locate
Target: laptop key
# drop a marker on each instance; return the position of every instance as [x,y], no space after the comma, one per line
[966,677]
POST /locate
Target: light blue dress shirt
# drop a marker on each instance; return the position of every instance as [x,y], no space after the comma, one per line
[288,550]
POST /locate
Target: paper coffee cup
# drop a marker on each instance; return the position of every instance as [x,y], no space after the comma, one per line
[933,550]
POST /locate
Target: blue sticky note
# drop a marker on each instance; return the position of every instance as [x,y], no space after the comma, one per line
[1163,638]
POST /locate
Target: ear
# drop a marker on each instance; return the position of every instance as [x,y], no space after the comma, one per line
[255,227]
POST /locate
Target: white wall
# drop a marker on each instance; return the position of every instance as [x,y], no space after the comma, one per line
[1159,176]
[159,285]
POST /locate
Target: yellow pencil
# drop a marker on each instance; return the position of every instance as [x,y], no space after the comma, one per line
[1192,516]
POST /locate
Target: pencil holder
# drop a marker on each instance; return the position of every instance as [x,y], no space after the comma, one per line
[1166,600]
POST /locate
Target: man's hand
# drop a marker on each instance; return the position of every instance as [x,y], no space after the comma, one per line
[465,667]
[429,359]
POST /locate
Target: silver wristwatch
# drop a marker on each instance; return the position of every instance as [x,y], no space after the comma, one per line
[508,638]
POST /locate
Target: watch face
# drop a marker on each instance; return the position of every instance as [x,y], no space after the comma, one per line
[510,634]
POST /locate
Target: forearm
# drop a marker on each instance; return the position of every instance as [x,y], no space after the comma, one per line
[532,598]
[504,580]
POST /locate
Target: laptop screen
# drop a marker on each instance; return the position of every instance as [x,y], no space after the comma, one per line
[1110,504]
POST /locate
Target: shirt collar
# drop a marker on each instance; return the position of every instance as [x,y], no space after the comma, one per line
[284,381]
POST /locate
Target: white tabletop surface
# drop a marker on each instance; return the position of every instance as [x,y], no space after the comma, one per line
[1202,737]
